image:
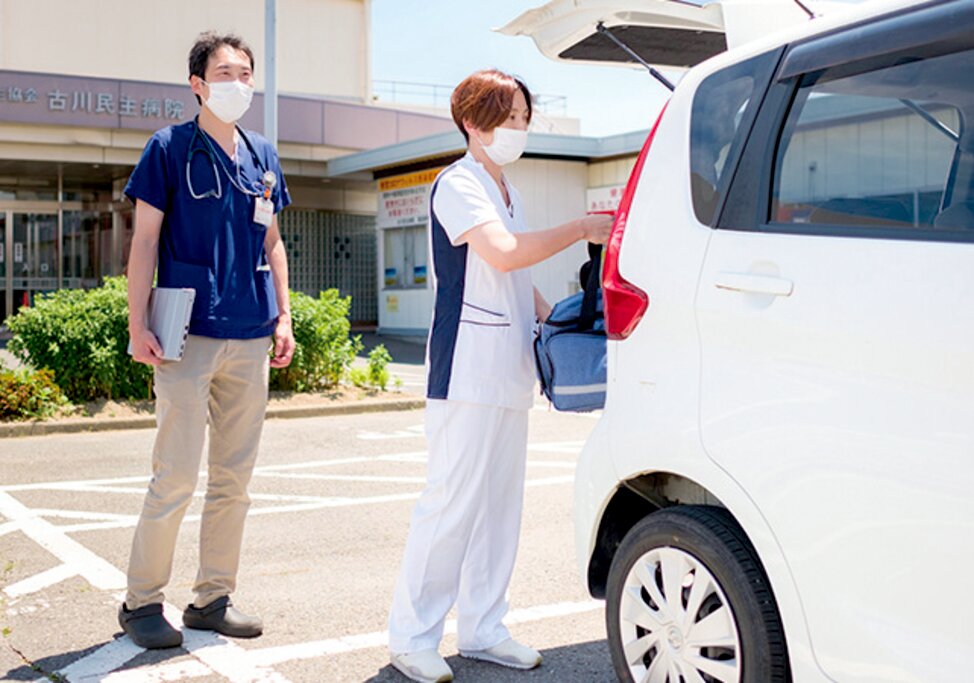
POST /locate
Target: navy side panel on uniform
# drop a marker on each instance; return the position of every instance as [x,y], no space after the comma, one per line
[450,267]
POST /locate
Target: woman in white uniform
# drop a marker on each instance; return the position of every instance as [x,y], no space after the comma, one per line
[464,531]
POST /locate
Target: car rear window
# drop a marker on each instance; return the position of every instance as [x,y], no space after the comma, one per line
[723,110]
[886,148]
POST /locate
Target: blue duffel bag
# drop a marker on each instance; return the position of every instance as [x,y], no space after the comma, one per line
[569,348]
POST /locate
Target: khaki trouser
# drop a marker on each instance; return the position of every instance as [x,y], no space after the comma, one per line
[223,382]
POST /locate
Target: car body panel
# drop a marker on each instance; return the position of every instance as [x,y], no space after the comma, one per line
[791,375]
[813,406]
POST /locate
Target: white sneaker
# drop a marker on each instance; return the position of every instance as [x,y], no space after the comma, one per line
[425,666]
[508,653]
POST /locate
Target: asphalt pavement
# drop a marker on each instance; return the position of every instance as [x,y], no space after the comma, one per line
[331,503]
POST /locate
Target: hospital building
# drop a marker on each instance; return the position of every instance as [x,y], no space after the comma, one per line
[84,84]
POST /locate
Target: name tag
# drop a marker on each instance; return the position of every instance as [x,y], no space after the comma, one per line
[263,211]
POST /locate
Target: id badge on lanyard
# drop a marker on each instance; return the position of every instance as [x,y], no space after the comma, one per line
[263,206]
[263,211]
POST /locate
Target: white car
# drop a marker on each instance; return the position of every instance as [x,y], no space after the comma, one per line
[781,486]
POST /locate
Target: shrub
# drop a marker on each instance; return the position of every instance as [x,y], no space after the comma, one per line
[376,373]
[82,336]
[28,394]
[323,350]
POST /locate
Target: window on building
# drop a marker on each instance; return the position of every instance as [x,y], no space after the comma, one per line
[880,149]
[405,257]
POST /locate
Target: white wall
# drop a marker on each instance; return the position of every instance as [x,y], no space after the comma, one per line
[405,311]
[612,172]
[553,193]
[323,45]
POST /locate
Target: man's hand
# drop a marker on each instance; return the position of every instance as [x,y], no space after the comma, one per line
[283,342]
[145,346]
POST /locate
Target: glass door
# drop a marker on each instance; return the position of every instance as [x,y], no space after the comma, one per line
[34,251]
[83,250]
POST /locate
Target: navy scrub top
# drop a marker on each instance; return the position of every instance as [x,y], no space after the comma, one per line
[212,245]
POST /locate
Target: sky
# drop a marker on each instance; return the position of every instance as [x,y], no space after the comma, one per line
[444,41]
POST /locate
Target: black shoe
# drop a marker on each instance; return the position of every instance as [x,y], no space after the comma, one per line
[221,616]
[148,628]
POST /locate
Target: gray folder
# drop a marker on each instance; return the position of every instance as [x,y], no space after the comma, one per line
[169,313]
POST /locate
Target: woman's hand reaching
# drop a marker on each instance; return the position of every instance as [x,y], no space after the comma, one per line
[596,228]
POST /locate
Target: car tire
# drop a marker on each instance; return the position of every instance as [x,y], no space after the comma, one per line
[724,626]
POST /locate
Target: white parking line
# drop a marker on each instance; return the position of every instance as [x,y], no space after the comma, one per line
[282,654]
[151,674]
[79,561]
[211,653]
[409,432]
[346,477]
[94,666]
[289,653]
[40,581]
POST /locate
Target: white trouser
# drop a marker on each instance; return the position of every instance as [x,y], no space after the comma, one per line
[464,531]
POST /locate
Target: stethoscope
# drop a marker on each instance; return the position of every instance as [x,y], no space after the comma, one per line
[268,178]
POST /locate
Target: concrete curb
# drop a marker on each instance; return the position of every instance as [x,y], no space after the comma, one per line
[105,424]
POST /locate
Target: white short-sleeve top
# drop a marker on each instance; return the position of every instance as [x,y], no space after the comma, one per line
[479,348]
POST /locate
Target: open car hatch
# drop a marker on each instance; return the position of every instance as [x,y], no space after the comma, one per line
[665,33]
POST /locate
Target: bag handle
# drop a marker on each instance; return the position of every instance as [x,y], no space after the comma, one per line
[592,284]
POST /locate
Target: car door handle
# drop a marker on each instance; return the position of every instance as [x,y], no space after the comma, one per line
[755,284]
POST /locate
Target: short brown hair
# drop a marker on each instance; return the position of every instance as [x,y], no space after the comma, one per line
[485,99]
[209,42]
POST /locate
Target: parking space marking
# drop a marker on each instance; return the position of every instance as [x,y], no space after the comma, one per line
[106,658]
[281,654]
[77,560]
[407,433]
[152,674]
[40,581]
[366,641]
[9,527]
[98,572]
[377,479]
[211,653]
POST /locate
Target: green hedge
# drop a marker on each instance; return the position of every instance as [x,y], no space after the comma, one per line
[82,337]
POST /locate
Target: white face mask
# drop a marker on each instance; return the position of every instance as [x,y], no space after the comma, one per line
[507,147]
[229,100]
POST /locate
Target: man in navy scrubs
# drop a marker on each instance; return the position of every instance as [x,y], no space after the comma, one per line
[207,195]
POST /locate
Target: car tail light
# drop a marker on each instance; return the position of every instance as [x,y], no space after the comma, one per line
[624,303]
